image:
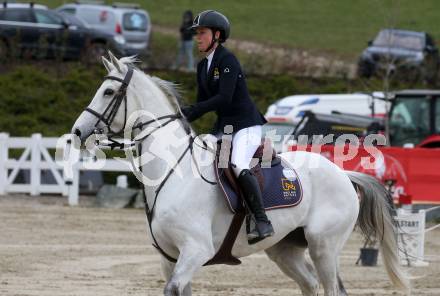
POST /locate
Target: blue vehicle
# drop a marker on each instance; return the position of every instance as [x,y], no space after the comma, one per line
[414,55]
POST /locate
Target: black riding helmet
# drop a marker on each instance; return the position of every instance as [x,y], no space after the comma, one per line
[215,21]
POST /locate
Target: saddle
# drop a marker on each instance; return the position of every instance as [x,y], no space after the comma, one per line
[279,185]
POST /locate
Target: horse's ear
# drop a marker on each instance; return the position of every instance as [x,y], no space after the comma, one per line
[115,62]
[107,64]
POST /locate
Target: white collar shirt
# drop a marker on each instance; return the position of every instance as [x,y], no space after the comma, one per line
[209,58]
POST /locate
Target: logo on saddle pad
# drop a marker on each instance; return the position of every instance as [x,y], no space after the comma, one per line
[288,184]
[289,188]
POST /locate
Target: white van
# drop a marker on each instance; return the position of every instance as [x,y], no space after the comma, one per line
[292,108]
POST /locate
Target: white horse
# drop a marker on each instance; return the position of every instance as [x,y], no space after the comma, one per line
[191,217]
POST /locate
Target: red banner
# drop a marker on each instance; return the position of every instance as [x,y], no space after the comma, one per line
[415,171]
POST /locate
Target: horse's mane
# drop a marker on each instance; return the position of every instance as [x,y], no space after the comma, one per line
[171,90]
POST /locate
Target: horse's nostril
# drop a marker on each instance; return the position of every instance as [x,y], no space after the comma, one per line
[77,132]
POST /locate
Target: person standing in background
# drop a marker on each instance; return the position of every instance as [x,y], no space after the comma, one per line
[186,42]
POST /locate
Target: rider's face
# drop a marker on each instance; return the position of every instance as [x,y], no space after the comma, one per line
[203,38]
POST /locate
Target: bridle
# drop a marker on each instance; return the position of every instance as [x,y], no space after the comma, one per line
[108,116]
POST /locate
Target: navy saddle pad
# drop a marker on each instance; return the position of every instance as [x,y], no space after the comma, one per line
[282,188]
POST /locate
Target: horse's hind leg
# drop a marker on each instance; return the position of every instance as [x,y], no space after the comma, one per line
[325,262]
[342,291]
[324,251]
[292,262]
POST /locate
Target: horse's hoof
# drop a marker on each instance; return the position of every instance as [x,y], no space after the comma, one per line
[171,289]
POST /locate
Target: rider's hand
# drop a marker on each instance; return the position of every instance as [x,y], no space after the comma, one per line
[189,112]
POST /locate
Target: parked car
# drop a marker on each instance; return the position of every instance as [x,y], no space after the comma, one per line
[414,55]
[126,22]
[28,30]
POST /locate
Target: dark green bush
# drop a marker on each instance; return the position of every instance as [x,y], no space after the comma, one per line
[47,98]
[38,99]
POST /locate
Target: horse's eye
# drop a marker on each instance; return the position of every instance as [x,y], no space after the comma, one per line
[109,92]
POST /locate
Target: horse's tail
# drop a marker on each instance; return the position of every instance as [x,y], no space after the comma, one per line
[376,222]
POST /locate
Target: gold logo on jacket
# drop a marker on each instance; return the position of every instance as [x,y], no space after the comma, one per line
[216,73]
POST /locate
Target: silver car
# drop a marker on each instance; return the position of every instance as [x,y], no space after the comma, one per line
[129,24]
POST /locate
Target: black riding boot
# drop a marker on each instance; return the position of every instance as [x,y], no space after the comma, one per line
[252,194]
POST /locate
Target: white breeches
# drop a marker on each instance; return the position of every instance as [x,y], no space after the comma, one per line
[244,144]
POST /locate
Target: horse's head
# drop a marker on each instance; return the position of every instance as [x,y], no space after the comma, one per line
[109,107]
[123,91]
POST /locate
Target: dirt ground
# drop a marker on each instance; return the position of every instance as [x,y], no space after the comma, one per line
[48,248]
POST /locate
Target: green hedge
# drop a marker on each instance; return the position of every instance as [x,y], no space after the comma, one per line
[47,98]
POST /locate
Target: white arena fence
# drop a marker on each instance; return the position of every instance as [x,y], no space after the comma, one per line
[36,158]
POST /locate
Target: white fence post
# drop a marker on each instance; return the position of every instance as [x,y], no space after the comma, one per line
[35,165]
[3,159]
[74,186]
[71,168]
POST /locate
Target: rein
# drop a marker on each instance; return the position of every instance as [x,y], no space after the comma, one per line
[108,116]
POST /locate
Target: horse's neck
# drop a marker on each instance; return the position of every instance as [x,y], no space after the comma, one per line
[156,103]
[160,155]
[162,149]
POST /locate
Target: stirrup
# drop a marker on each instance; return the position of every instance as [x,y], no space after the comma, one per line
[255,236]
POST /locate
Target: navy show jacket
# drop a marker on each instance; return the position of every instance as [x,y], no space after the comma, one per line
[223,90]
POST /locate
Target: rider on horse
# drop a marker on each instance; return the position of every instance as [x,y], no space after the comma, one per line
[222,88]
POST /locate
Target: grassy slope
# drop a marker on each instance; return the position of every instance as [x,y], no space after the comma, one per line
[342,27]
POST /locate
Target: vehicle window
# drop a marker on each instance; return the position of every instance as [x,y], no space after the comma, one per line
[16,15]
[44,17]
[74,20]
[409,121]
[97,17]
[398,39]
[134,21]
[69,10]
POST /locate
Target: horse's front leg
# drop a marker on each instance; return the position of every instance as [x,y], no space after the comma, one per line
[192,256]
[167,270]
